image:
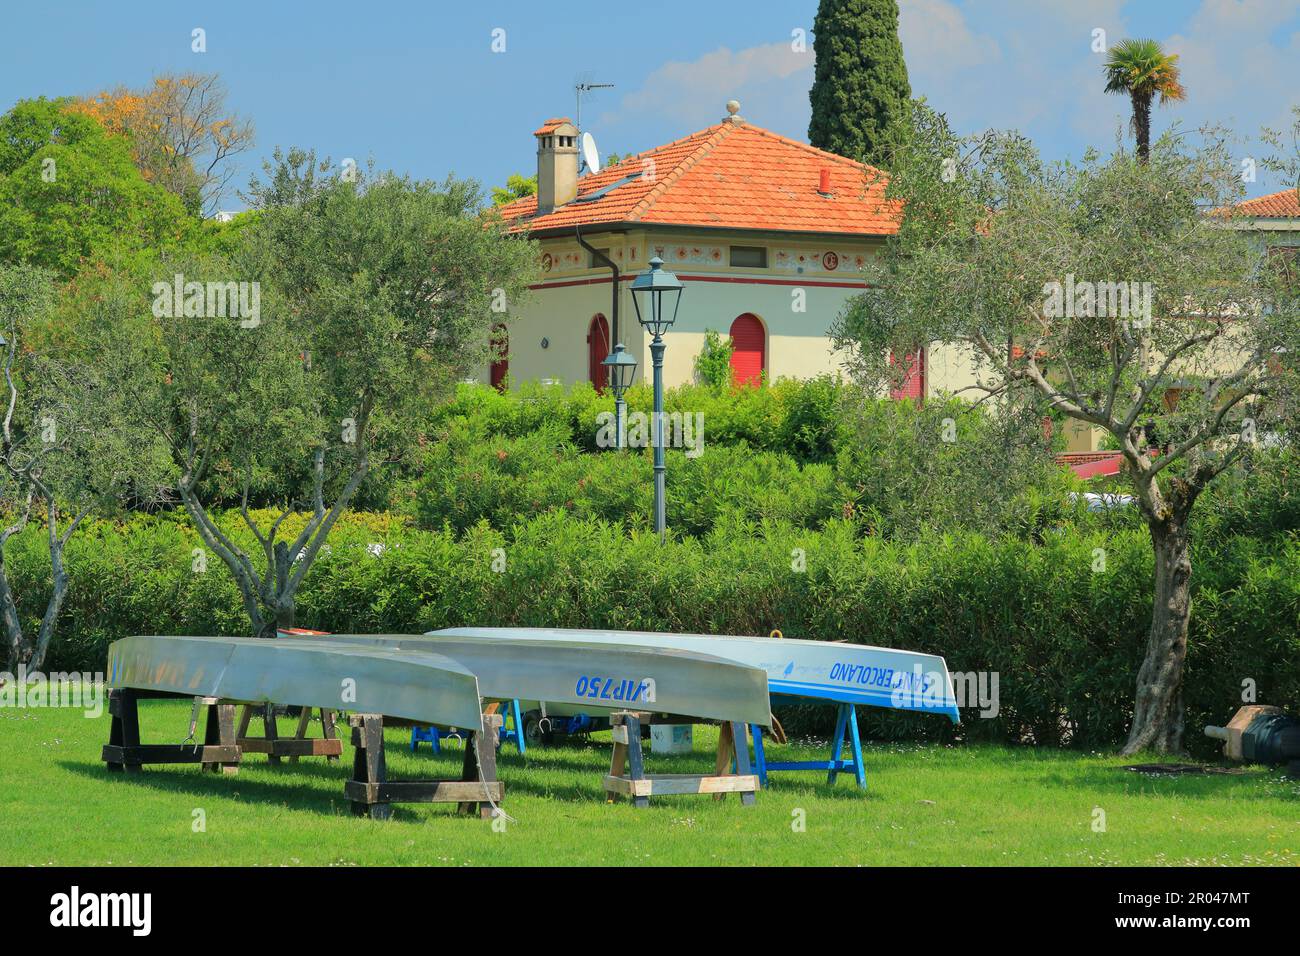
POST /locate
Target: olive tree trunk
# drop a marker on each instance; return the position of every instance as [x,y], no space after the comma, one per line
[1158,710]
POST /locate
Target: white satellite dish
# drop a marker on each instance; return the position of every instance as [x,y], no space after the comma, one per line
[590,158]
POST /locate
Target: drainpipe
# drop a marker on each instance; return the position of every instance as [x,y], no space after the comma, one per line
[620,406]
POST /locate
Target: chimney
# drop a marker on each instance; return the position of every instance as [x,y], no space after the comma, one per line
[557,164]
[824,186]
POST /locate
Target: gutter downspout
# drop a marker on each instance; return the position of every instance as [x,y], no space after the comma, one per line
[620,407]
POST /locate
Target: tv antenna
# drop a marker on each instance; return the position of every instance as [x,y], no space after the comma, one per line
[584,86]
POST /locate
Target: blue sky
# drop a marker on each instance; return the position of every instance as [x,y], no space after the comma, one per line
[418,87]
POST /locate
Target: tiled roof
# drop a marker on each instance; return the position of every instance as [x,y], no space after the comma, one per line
[1279,205]
[729,176]
[551,125]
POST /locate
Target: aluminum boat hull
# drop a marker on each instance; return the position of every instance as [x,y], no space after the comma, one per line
[816,670]
[594,678]
[425,686]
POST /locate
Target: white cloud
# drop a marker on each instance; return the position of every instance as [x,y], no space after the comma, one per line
[1233,68]
[1023,70]
[1011,64]
[938,41]
[771,82]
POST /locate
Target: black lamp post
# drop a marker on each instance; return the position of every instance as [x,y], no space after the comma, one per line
[620,369]
[656,295]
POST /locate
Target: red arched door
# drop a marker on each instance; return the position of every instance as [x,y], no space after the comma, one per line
[598,351]
[749,350]
[500,339]
[914,384]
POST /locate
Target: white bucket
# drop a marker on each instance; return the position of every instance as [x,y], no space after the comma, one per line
[671,738]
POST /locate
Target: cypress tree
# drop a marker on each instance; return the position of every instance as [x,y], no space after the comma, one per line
[860,84]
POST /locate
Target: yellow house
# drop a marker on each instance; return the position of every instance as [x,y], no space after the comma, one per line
[768,234]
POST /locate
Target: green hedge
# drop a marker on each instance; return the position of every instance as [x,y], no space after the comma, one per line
[802,418]
[502,480]
[802,452]
[1065,640]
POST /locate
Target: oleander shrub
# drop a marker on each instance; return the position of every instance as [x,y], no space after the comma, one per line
[504,480]
[1064,637]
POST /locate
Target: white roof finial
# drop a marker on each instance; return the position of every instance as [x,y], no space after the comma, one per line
[733,113]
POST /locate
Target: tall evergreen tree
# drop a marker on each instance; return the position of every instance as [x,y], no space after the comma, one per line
[860,84]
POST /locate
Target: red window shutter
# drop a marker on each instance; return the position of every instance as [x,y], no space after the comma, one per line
[500,346]
[914,384]
[597,352]
[749,350]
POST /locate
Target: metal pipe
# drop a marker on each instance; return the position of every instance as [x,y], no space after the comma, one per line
[620,406]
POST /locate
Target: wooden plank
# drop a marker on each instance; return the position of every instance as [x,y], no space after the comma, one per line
[726,749]
[292,747]
[469,771]
[618,734]
[168,753]
[300,732]
[423,791]
[635,758]
[219,730]
[130,727]
[482,764]
[114,728]
[226,734]
[680,784]
[740,746]
[328,730]
[272,730]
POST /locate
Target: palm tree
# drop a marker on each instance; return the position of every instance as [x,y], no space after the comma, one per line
[1141,69]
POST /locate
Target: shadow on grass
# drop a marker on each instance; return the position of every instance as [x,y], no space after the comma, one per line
[241,786]
[1252,784]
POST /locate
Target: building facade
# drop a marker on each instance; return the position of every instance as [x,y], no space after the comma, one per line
[768,234]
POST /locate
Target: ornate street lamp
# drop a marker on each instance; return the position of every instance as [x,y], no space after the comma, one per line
[620,369]
[656,294]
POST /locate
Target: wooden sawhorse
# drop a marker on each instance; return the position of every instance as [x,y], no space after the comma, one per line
[124,752]
[299,745]
[625,728]
[373,794]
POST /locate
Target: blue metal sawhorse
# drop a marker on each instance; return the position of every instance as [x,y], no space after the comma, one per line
[846,719]
[514,734]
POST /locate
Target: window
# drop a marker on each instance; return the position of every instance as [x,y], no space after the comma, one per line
[593,260]
[749,350]
[749,257]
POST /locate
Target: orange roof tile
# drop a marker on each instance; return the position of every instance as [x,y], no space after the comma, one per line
[729,176]
[1279,205]
[550,125]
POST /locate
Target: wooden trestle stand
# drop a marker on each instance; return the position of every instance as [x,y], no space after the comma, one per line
[299,745]
[373,794]
[625,728]
[124,752]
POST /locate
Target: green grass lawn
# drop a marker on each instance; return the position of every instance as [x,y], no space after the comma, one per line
[925,805]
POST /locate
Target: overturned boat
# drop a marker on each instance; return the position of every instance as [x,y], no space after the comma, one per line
[590,676]
[815,670]
[426,687]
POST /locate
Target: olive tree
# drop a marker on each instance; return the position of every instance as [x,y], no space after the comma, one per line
[65,450]
[1114,291]
[313,351]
